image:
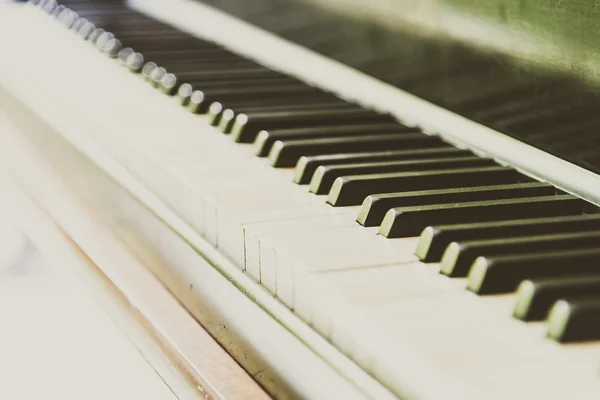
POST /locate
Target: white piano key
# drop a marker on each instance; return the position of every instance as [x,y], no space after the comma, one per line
[402,304]
[268,268]
[232,203]
[262,224]
[489,357]
[372,285]
[329,249]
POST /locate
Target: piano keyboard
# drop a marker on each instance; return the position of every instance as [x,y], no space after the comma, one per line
[389,241]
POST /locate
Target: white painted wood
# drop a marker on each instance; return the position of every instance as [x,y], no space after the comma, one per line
[424,329]
[471,347]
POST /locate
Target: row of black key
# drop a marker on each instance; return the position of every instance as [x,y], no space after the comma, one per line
[549,262]
[478,219]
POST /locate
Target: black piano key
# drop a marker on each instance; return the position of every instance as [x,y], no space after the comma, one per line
[324,176]
[201,76]
[112,47]
[217,85]
[151,35]
[352,190]
[85,30]
[214,114]
[147,70]
[375,206]
[124,54]
[114,15]
[307,165]
[168,84]
[323,101]
[186,61]
[67,17]
[156,76]
[78,24]
[247,125]
[196,102]
[535,297]
[227,119]
[94,35]
[103,39]
[197,70]
[435,239]
[238,82]
[266,138]
[194,63]
[57,10]
[287,154]
[159,41]
[410,221]
[203,99]
[140,26]
[184,94]
[135,62]
[71,20]
[48,6]
[502,274]
[38,4]
[224,118]
[291,104]
[575,320]
[144,30]
[193,70]
[459,256]
[167,51]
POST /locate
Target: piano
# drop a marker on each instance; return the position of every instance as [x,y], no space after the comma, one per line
[322,200]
